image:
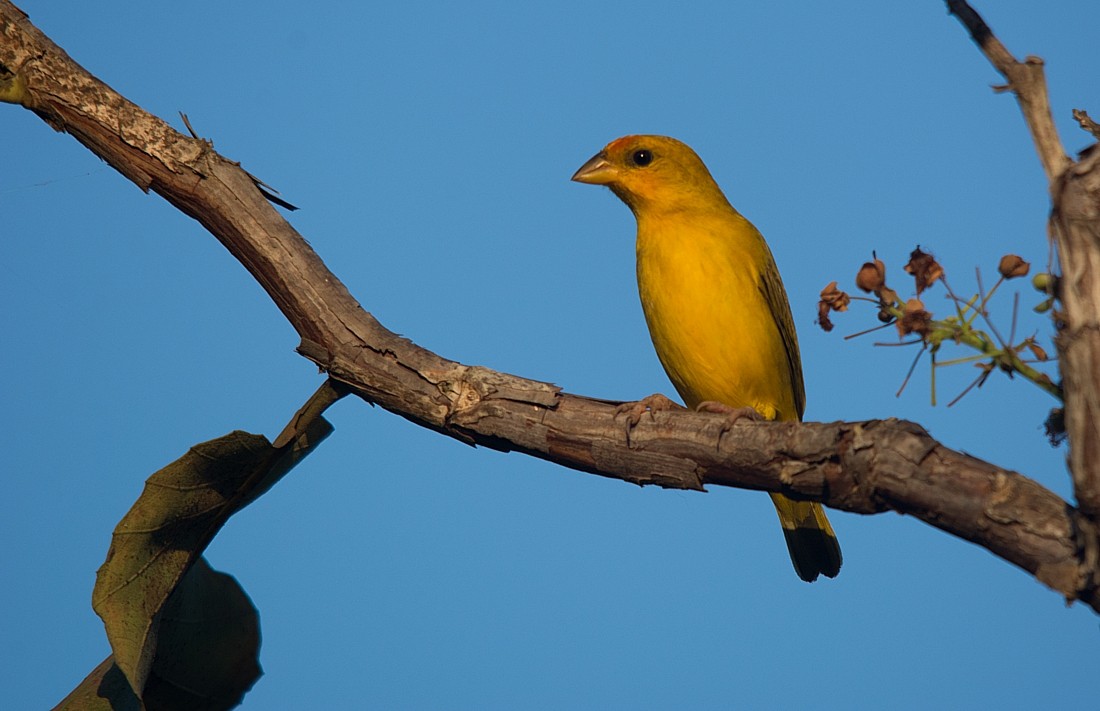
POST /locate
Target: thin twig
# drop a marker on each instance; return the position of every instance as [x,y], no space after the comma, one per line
[911,369]
[1027,83]
[955,299]
[1086,122]
[872,330]
[1015,314]
[984,301]
[960,361]
[880,344]
[932,376]
[977,381]
[187,123]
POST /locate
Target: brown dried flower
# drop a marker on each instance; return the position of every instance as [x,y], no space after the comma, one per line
[871,276]
[832,299]
[914,319]
[823,319]
[835,298]
[1012,266]
[924,268]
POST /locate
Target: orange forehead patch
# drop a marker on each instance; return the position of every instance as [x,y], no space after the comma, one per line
[620,142]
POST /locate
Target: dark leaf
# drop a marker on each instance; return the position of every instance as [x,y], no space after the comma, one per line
[182,507]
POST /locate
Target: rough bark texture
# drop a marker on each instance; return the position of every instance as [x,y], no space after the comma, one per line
[864,467]
[1076,220]
[1075,229]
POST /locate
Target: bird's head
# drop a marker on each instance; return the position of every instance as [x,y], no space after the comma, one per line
[653,173]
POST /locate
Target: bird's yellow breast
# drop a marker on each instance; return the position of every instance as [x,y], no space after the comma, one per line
[701,281]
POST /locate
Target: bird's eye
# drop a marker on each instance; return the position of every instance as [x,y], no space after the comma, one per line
[642,158]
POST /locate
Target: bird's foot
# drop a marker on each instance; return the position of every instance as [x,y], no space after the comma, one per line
[651,403]
[733,414]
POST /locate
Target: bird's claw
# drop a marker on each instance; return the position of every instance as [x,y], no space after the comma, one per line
[651,403]
[732,414]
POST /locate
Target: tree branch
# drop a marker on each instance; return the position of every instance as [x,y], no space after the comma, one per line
[1075,228]
[864,467]
[1026,81]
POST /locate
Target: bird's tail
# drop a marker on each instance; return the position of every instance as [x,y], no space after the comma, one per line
[810,539]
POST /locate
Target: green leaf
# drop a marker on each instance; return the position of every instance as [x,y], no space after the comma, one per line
[181,509]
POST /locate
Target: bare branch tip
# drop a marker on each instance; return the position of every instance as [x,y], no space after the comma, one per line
[187,123]
[1086,123]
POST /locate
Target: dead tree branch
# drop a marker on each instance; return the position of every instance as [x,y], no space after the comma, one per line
[864,467]
[1026,81]
[1075,229]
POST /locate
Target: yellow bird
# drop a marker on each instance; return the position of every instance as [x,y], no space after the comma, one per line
[715,305]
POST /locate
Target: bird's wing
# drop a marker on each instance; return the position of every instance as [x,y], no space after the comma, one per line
[772,286]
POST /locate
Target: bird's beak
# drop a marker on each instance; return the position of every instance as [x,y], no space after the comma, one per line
[597,171]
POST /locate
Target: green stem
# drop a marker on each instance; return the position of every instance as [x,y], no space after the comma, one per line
[980,342]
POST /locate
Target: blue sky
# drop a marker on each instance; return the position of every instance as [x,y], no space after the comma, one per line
[430,146]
